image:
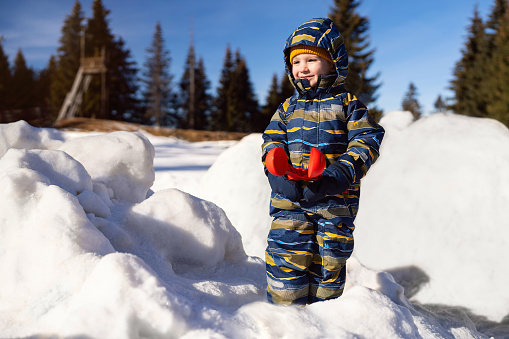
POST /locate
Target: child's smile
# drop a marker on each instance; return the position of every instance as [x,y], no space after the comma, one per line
[310,67]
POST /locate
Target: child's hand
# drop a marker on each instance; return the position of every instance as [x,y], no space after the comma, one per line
[282,185]
[315,191]
[333,182]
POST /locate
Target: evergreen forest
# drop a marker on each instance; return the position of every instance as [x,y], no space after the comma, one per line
[93,75]
[481,77]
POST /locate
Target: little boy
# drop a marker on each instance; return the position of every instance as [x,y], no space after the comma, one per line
[311,234]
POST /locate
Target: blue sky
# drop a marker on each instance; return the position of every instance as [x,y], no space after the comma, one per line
[414,41]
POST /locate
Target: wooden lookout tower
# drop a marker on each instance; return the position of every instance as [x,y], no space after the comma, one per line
[88,67]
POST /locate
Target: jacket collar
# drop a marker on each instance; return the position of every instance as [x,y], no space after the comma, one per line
[325,85]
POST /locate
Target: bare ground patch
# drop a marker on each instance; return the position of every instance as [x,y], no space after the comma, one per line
[100,125]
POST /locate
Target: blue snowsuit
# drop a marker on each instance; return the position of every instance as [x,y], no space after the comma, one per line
[310,241]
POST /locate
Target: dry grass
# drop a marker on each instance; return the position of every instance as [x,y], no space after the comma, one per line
[84,124]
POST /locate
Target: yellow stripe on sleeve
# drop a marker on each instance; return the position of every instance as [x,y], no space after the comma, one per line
[273,131]
[286,104]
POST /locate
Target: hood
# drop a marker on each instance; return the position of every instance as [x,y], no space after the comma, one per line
[319,32]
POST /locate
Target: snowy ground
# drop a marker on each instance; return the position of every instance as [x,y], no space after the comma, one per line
[100,238]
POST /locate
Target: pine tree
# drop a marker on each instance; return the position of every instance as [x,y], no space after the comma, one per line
[354,29]
[22,90]
[68,58]
[122,83]
[440,105]
[410,102]
[219,113]
[194,98]
[470,72]
[286,88]
[5,82]
[203,98]
[45,79]
[279,91]
[188,90]
[157,79]
[98,31]
[119,101]
[243,109]
[481,77]
[236,106]
[498,97]
[271,105]
[497,16]
[98,40]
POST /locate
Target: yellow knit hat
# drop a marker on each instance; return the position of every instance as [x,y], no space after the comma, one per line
[301,49]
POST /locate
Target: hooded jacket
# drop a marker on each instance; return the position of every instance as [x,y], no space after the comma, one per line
[325,117]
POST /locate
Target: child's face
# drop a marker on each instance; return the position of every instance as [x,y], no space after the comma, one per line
[310,66]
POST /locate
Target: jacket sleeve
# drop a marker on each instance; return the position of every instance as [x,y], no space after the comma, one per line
[364,140]
[275,133]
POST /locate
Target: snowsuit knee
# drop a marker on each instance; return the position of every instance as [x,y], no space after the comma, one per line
[309,242]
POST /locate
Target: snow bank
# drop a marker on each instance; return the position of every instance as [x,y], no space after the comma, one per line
[47,244]
[437,200]
[23,136]
[237,183]
[122,161]
[81,258]
[372,306]
[433,209]
[193,232]
[78,257]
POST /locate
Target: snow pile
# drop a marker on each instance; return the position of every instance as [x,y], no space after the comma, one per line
[23,136]
[433,209]
[122,161]
[437,200]
[88,249]
[77,256]
[237,183]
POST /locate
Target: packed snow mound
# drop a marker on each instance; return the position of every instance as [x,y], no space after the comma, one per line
[122,161]
[23,136]
[47,244]
[237,183]
[62,234]
[433,208]
[437,200]
[396,121]
[77,259]
[192,233]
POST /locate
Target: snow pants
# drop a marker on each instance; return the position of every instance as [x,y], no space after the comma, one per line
[307,252]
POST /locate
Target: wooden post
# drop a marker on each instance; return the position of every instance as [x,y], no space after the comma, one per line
[88,67]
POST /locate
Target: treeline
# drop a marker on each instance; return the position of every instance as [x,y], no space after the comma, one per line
[152,95]
[481,76]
